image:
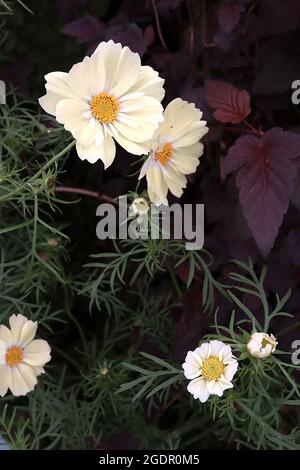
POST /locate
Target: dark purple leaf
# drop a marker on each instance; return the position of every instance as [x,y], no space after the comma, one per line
[230,103]
[84,29]
[266,175]
[131,36]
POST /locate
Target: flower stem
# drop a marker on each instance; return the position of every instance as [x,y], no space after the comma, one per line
[50,162]
[85,192]
[54,159]
[173,279]
[159,31]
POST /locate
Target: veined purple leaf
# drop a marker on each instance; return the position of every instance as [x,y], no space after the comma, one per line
[266,176]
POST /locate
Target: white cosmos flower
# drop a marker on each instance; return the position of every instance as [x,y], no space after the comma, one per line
[261,345]
[107,96]
[210,368]
[174,151]
[21,357]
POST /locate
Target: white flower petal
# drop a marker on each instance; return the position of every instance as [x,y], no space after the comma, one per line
[230,370]
[127,70]
[37,353]
[3,380]
[57,88]
[3,349]
[150,83]
[21,379]
[198,388]
[215,388]
[22,330]
[204,351]
[157,188]
[5,336]
[131,147]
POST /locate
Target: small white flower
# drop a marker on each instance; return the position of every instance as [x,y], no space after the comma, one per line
[174,151]
[210,368]
[107,96]
[21,357]
[261,345]
[139,207]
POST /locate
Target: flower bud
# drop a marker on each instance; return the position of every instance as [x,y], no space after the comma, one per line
[261,345]
[139,207]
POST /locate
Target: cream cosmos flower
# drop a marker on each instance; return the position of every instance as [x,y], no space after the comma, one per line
[107,96]
[210,368]
[174,151]
[21,357]
[261,345]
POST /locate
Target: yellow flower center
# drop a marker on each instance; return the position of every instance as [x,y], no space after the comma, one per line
[14,356]
[212,368]
[164,155]
[105,107]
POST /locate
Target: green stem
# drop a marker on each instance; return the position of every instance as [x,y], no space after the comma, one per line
[54,159]
[50,162]
[173,279]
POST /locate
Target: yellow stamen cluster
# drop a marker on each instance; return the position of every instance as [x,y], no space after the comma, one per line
[164,155]
[14,356]
[212,368]
[105,107]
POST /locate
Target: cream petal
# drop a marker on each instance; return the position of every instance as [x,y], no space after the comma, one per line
[150,83]
[110,54]
[186,159]
[215,387]
[182,124]
[37,353]
[126,72]
[175,181]
[157,188]
[21,379]
[3,380]
[225,384]
[147,120]
[225,355]
[5,336]
[109,151]
[39,370]
[48,102]
[130,146]
[80,79]
[3,349]
[91,153]
[146,166]
[191,371]
[216,347]
[16,323]
[198,388]
[230,370]
[57,88]
[204,351]
[23,330]
[86,135]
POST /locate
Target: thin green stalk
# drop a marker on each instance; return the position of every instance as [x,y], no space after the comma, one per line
[173,279]
[50,162]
